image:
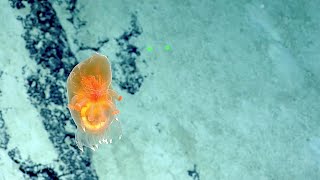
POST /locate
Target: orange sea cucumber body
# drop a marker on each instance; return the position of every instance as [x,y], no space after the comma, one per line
[92,102]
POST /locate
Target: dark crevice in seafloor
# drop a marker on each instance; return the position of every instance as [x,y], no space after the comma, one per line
[127,74]
[4,136]
[47,44]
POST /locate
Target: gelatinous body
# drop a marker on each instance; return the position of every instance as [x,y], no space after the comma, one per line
[92,102]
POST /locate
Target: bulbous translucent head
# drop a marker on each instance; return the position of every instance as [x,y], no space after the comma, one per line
[92,102]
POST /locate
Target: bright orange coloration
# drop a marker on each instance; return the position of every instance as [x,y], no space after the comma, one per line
[92,102]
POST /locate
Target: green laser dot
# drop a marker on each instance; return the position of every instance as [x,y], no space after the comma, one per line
[149,49]
[167,48]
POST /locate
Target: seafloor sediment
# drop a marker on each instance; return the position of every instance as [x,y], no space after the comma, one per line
[212,89]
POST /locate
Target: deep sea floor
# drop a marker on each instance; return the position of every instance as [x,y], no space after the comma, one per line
[212,89]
